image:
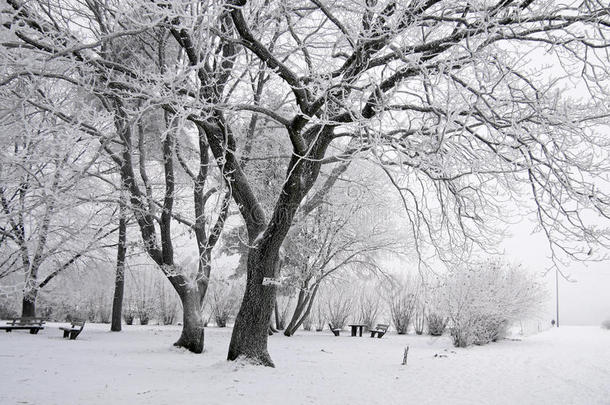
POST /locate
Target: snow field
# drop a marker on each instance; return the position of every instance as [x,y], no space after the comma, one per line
[570,365]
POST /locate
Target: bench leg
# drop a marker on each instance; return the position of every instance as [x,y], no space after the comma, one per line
[372,333]
[74,334]
[66,332]
[381,335]
[8,330]
[34,331]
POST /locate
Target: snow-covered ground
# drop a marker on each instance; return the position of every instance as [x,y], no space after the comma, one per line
[570,365]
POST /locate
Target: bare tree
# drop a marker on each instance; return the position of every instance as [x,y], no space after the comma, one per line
[46,226]
[331,240]
[119,283]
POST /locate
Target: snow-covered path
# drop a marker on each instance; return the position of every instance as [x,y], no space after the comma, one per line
[570,365]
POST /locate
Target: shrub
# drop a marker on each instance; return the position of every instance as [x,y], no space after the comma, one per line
[402,307]
[307,323]
[224,300]
[369,308]
[8,309]
[318,315]
[419,320]
[482,301]
[436,324]
[606,324]
[144,316]
[479,330]
[104,308]
[128,317]
[167,303]
[339,304]
[129,312]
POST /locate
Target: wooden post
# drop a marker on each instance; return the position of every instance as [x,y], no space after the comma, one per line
[404,356]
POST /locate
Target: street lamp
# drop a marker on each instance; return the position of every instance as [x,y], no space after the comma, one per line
[557,296]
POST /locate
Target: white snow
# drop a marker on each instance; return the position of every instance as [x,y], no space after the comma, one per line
[570,365]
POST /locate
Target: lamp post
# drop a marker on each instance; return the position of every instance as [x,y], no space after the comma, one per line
[557,296]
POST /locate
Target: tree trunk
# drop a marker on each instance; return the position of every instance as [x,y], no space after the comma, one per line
[192,336]
[119,282]
[302,301]
[279,325]
[249,338]
[29,304]
[303,312]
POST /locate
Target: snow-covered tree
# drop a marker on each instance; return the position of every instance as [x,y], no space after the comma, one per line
[441,94]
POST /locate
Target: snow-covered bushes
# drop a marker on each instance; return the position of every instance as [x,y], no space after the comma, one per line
[318,315]
[402,306]
[168,303]
[8,308]
[419,320]
[478,330]
[224,297]
[141,294]
[483,300]
[129,314]
[606,324]
[436,323]
[307,323]
[402,299]
[369,305]
[339,304]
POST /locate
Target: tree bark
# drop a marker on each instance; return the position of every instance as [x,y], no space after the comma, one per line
[119,282]
[28,308]
[249,338]
[279,325]
[301,312]
[192,337]
[302,300]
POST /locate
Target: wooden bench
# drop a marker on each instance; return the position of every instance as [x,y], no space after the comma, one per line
[335,331]
[74,330]
[31,323]
[379,330]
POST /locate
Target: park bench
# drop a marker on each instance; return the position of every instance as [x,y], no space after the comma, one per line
[379,330]
[31,323]
[74,330]
[335,331]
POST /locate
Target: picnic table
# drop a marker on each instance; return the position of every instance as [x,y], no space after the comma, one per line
[357,327]
[33,324]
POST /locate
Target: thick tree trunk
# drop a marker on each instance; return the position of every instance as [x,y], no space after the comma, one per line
[249,338]
[28,308]
[119,282]
[192,336]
